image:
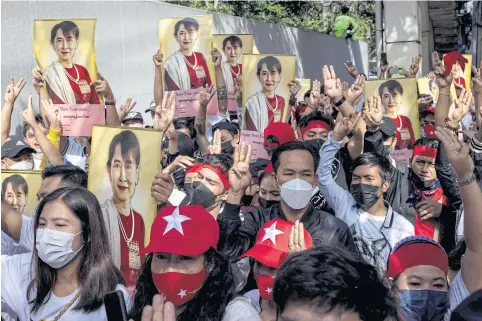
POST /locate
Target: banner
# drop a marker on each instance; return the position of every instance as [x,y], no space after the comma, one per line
[65,51]
[399,102]
[187,103]
[265,90]
[232,48]
[256,139]
[77,120]
[19,189]
[402,155]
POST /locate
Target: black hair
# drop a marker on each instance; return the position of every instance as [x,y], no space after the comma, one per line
[66,26]
[371,159]
[345,9]
[455,256]
[233,40]
[222,162]
[97,273]
[391,86]
[307,94]
[128,143]
[18,183]
[272,63]
[231,128]
[427,141]
[273,140]
[291,146]
[187,22]
[185,122]
[69,175]
[38,120]
[333,280]
[210,301]
[316,115]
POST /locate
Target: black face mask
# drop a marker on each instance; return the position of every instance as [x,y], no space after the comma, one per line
[199,194]
[423,185]
[365,195]
[265,203]
[246,200]
[316,143]
[227,148]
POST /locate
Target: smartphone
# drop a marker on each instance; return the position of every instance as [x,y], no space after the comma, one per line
[115,306]
[383,58]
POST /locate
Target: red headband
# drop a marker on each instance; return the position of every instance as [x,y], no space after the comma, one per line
[223,177]
[315,124]
[194,168]
[425,151]
[416,254]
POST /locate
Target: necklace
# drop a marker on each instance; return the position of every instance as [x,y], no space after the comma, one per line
[61,313]
[400,120]
[457,83]
[72,78]
[269,105]
[189,64]
[124,234]
[233,72]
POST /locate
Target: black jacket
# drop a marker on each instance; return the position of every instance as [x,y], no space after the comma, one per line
[237,237]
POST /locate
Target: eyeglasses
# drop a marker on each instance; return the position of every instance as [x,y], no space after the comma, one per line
[426,122]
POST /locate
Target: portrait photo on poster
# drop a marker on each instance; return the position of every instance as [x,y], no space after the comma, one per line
[232,48]
[399,102]
[19,189]
[460,66]
[265,89]
[121,180]
[65,52]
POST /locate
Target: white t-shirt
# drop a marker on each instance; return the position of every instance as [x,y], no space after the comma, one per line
[10,247]
[27,233]
[240,309]
[457,293]
[17,275]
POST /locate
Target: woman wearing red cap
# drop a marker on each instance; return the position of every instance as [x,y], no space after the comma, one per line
[417,270]
[183,265]
[276,239]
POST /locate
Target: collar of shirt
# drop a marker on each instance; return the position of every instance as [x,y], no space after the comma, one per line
[307,217]
[388,223]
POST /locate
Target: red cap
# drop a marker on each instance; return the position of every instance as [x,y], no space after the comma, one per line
[183,230]
[283,131]
[269,168]
[451,58]
[272,242]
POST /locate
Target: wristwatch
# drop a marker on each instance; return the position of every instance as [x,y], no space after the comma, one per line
[466,181]
[340,102]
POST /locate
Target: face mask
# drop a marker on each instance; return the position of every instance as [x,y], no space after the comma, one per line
[265,203]
[227,148]
[423,185]
[365,195]
[23,165]
[55,247]
[296,193]
[199,194]
[315,143]
[265,286]
[179,288]
[423,305]
[246,200]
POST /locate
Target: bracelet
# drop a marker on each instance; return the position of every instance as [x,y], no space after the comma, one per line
[442,93]
[447,124]
[466,181]
[110,103]
[340,102]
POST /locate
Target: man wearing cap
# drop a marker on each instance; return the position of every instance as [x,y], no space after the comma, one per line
[277,134]
[229,136]
[151,109]
[17,155]
[133,119]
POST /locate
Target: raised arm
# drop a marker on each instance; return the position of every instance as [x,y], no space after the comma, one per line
[102,87]
[125,108]
[443,82]
[458,155]
[158,59]
[13,90]
[200,120]
[220,82]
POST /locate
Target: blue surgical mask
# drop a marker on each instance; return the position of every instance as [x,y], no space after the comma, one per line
[423,305]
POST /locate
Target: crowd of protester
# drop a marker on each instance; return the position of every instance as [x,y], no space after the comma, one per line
[330,227]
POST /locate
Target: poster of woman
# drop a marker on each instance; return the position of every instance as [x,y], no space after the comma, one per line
[65,51]
[19,189]
[121,178]
[265,89]
[460,66]
[399,102]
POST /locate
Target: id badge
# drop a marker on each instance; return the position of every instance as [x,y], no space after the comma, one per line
[404,134]
[84,87]
[134,258]
[200,73]
[277,116]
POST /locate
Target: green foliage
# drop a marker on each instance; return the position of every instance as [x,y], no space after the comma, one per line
[306,15]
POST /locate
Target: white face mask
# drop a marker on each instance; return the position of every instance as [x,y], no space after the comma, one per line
[296,193]
[55,247]
[23,165]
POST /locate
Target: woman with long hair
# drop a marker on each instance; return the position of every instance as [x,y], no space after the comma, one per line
[71,268]
[183,265]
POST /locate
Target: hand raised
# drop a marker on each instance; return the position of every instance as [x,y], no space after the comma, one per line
[125,108]
[217,57]
[355,90]
[477,79]
[315,95]
[162,187]
[372,114]
[439,70]
[460,106]
[296,241]
[52,113]
[158,58]
[29,114]
[345,126]
[13,90]
[206,95]
[239,174]
[457,153]
[294,87]
[333,88]
[164,114]
[38,79]
[414,67]
[351,68]
[159,311]
[215,147]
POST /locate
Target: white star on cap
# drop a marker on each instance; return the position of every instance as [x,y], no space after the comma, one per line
[271,232]
[19,143]
[182,293]
[269,290]
[174,221]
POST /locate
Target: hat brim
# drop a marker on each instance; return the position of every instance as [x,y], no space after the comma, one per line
[14,152]
[267,255]
[148,110]
[184,246]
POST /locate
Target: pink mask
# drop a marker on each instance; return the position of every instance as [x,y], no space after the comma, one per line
[265,286]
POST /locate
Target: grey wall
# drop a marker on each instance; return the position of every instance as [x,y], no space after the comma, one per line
[127,37]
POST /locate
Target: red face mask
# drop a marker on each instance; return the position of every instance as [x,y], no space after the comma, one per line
[265,286]
[179,288]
